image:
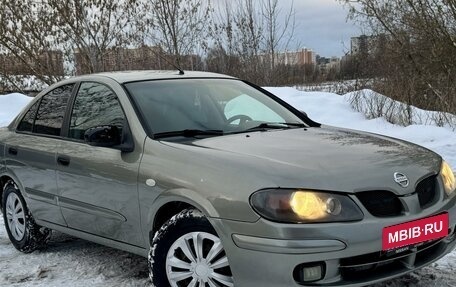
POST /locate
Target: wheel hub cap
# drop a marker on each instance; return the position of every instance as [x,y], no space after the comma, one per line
[197,259]
[202,270]
[15,216]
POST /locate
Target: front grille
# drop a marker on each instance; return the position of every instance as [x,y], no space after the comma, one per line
[427,191]
[381,203]
[376,265]
[383,257]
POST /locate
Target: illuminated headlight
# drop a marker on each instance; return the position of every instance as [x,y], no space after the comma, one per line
[304,206]
[449,181]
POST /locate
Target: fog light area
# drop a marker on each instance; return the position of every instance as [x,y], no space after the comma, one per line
[306,273]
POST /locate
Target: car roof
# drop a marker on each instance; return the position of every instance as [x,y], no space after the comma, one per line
[132,76]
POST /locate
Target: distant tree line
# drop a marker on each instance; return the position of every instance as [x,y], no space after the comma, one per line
[238,37]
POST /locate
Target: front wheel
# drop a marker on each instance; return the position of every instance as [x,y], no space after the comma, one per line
[186,251]
[22,230]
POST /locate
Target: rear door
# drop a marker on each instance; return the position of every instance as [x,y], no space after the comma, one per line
[98,185]
[30,153]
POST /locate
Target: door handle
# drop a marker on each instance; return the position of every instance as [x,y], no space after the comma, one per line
[12,151]
[63,160]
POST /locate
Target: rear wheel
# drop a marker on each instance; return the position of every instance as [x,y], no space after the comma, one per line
[22,230]
[186,251]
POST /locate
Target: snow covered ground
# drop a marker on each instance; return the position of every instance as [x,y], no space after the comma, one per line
[73,262]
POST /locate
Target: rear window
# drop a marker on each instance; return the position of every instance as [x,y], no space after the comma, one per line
[46,115]
[26,125]
[51,111]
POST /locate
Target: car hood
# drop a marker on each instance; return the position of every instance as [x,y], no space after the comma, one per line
[328,158]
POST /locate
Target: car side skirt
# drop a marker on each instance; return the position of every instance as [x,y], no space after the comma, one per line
[97,239]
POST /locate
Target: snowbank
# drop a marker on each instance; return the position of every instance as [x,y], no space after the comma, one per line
[375,105]
[10,106]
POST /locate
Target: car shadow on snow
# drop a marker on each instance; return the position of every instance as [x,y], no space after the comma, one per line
[70,261]
[105,260]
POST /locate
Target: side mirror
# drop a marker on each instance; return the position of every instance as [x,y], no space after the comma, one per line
[304,113]
[103,136]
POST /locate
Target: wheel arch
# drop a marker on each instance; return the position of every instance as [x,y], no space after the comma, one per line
[4,179]
[165,212]
[171,203]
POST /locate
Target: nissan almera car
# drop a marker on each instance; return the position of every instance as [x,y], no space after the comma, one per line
[220,183]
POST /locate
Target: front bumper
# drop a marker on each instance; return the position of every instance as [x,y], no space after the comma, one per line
[266,253]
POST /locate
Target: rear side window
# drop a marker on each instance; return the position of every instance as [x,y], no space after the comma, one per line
[95,105]
[49,117]
[26,125]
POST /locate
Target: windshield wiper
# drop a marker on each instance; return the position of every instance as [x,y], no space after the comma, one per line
[265,126]
[188,133]
[299,125]
[270,126]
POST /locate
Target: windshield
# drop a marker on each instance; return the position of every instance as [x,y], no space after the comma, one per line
[218,106]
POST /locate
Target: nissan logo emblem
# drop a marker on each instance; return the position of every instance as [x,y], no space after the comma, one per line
[401,179]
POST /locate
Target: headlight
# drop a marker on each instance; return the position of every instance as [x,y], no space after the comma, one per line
[449,181]
[303,206]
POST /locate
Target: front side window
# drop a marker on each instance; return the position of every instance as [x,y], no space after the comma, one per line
[51,111]
[96,105]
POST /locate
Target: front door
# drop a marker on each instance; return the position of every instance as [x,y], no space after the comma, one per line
[98,185]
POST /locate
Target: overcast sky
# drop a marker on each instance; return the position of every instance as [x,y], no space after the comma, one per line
[322,26]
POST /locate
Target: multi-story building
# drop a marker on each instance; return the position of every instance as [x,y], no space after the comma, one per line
[299,58]
[366,44]
[47,62]
[142,58]
[328,64]
[90,60]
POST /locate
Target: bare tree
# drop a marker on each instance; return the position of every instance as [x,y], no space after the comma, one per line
[179,26]
[278,34]
[418,62]
[253,31]
[236,34]
[43,37]
[26,36]
[92,27]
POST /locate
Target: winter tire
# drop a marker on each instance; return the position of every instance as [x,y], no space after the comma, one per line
[22,230]
[187,251]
